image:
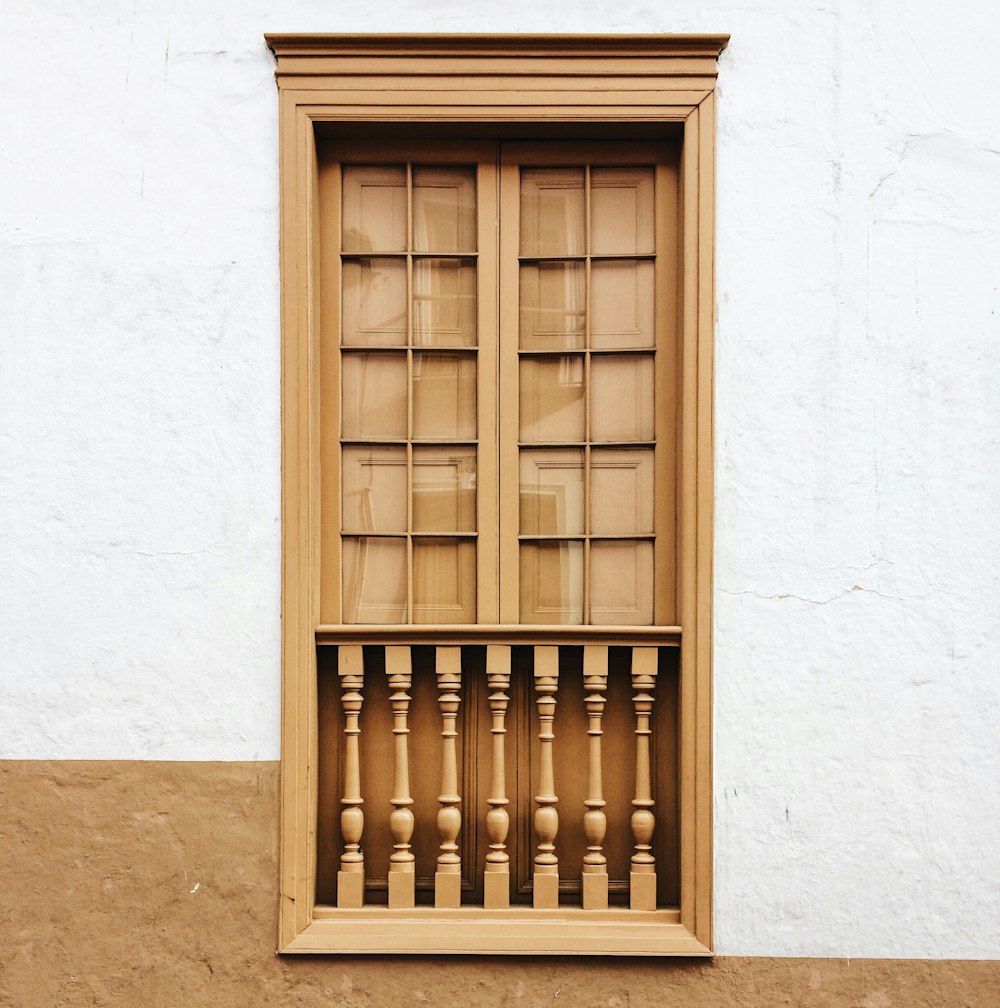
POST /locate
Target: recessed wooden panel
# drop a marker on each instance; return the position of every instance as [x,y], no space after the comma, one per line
[444,396]
[551,496]
[374,218]
[621,305]
[552,212]
[374,489]
[444,209]
[444,302]
[621,582]
[621,398]
[551,582]
[551,400]
[621,211]
[374,395]
[374,311]
[621,491]
[444,581]
[444,489]
[553,305]
[374,580]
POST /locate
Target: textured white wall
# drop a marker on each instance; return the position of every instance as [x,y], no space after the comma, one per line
[857,583]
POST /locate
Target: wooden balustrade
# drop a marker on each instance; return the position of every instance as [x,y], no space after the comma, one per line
[642,878]
[448,879]
[538,876]
[496,883]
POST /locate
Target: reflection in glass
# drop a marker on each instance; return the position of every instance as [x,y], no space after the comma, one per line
[621,491]
[621,305]
[552,582]
[374,580]
[374,395]
[374,489]
[552,492]
[621,583]
[444,209]
[551,400]
[621,208]
[444,302]
[552,212]
[444,489]
[374,200]
[374,302]
[444,396]
[444,581]
[621,398]
[553,308]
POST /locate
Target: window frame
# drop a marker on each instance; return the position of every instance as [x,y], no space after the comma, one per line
[656,86]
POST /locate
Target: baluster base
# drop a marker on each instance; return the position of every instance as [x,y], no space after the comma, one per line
[642,890]
[595,891]
[350,890]
[496,890]
[546,892]
[402,890]
[447,890]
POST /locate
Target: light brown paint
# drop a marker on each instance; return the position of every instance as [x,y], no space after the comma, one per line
[155,884]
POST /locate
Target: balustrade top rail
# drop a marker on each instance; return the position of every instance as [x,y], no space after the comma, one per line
[436,633]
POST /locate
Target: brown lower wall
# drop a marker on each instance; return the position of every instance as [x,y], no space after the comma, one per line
[149,884]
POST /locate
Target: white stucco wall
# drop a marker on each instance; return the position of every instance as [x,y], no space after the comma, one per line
[858,411]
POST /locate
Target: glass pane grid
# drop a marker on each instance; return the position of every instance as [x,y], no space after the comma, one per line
[587,416]
[409,398]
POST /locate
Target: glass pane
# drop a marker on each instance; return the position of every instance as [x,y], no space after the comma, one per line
[374,580]
[552,582]
[374,309]
[552,214]
[552,306]
[552,492]
[444,209]
[551,403]
[621,491]
[621,583]
[444,396]
[374,395]
[374,209]
[444,581]
[621,207]
[444,489]
[621,400]
[621,305]
[444,302]
[374,489]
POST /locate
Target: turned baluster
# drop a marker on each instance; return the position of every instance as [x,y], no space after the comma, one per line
[401,861]
[497,878]
[448,878]
[546,874]
[595,822]
[351,877]
[642,877]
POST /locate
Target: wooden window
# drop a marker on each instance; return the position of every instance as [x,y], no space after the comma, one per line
[497,493]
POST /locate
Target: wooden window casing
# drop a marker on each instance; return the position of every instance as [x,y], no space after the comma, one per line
[581,91]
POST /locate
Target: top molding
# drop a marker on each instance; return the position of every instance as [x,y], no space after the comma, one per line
[305,55]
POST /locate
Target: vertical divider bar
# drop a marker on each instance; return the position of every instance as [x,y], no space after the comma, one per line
[642,876]
[546,875]
[595,822]
[351,877]
[588,242]
[448,877]
[496,882]
[402,874]
[408,611]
